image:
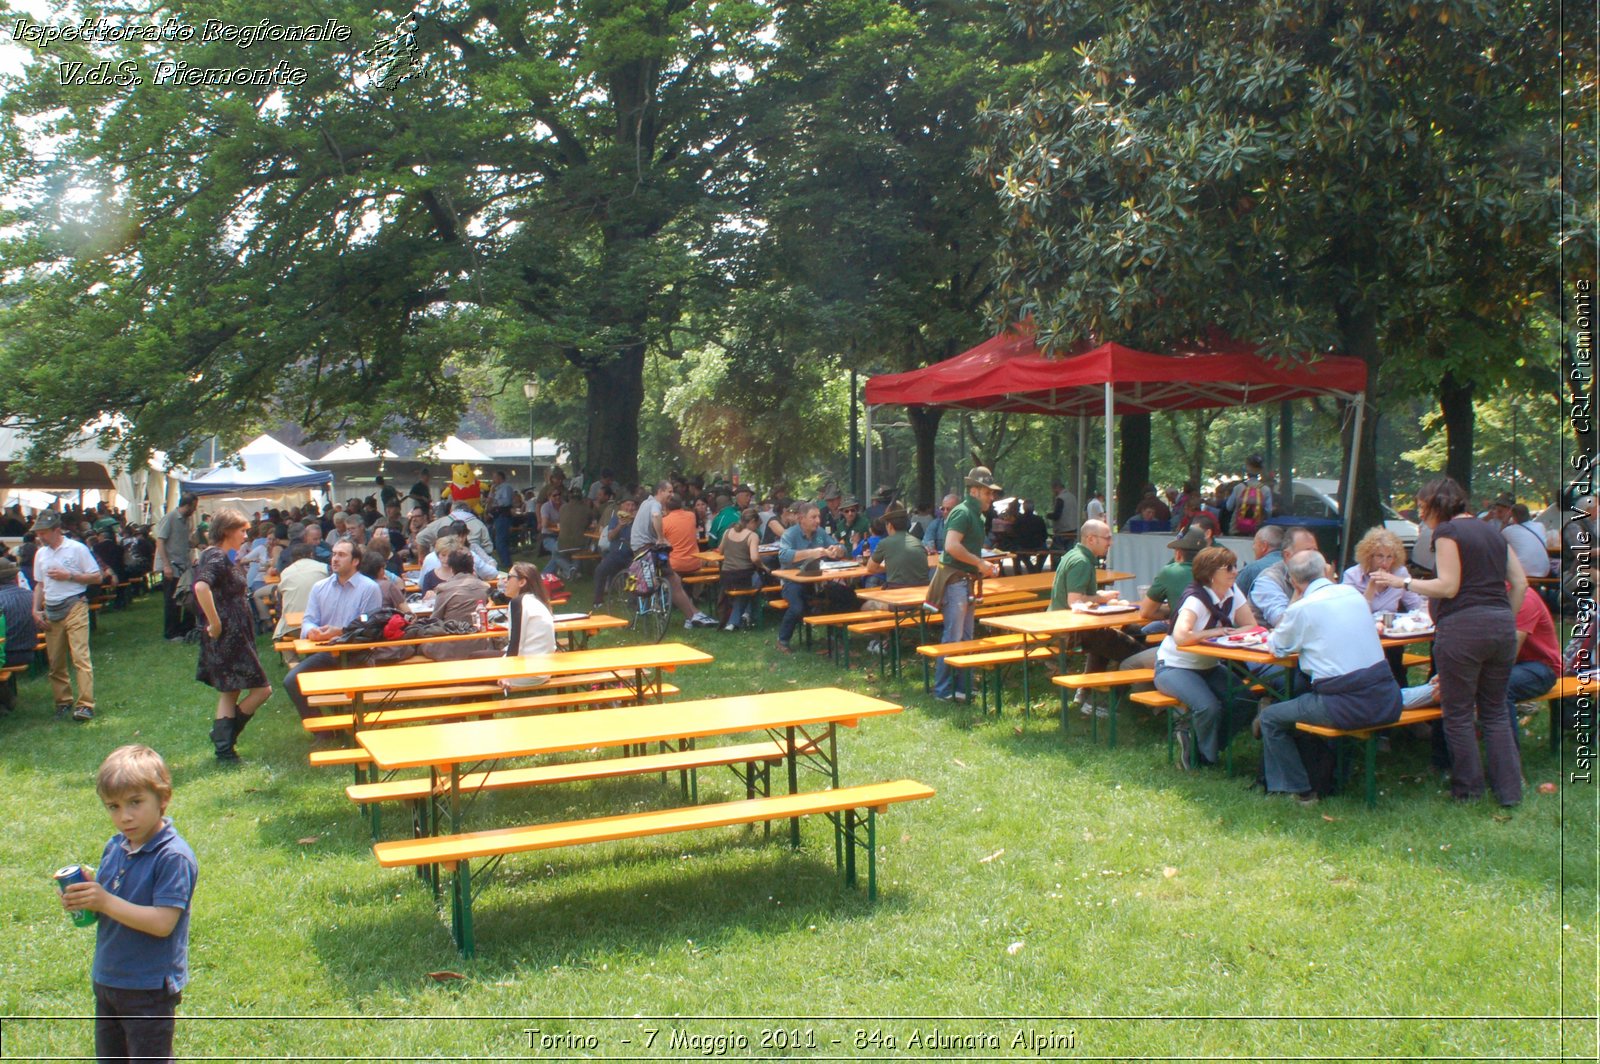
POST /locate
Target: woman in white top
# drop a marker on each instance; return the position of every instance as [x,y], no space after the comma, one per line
[533,626]
[1210,608]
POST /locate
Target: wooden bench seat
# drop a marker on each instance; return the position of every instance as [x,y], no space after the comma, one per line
[1565,687]
[353,755]
[1114,681]
[1412,660]
[994,606]
[380,718]
[456,852]
[971,646]
[418,789]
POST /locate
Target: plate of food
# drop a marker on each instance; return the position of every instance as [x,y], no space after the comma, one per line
[1406,624]
[1100,608]
[1249,639]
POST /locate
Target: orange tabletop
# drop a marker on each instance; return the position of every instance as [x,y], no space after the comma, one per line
[293,618]
[854,572]
[463,742]
[271,578]
[636,659]
[710,557]
[1059,622]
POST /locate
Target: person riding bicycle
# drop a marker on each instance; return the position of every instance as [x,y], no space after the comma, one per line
[647,534]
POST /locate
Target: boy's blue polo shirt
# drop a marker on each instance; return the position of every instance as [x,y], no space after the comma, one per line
[161,873]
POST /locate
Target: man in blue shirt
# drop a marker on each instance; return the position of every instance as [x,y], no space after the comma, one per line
[1270,589]
[804,541]
[335,602]
[933,535]
[1330,626]
[1268,546]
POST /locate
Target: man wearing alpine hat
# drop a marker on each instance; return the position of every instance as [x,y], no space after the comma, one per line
[959,565]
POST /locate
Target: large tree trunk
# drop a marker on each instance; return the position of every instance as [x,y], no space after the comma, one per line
[1358,325]
[615,396]
[925,430]
[1133,469]
[1455,403]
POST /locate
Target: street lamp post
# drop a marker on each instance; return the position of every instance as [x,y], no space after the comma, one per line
[530,391]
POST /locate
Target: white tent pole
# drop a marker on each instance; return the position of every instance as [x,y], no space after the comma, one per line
[867,441]
[1350,482]
[1078,485]
[1111,496]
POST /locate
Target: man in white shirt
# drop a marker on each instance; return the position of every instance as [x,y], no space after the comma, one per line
[1526,538]
[1063,517]
[1330,626]
[1096,508]
[63,571]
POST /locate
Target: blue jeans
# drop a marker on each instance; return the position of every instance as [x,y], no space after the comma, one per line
[1284,769]
[1529,679]
[959,623]
[745,605]
[795,595]
[1204,692]
[502,538]
[291,682]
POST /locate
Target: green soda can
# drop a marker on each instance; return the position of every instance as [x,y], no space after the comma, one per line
[64,878]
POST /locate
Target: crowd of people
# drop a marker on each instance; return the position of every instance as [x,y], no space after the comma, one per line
[224,575]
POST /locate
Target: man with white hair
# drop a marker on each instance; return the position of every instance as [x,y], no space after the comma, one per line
[1330,626]
[1271,591]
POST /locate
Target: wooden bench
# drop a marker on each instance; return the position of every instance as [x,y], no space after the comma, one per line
[1565,687]
[1114,682]
[995,606]
[831,623]
[757,757]
[992,662]
[456,852]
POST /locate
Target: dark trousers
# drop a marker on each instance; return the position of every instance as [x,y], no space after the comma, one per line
[291,682]
[795,595]
[501,533]
[133,1024]
[1473,653]
[616,560]
[1106,647]
[176,622]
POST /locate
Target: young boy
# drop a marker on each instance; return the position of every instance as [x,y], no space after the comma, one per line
[141,891]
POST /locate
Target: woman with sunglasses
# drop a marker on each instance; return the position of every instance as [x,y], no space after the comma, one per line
[1209,607]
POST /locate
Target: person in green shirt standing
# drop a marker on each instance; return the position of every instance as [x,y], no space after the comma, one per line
[1075,582]
[958,565]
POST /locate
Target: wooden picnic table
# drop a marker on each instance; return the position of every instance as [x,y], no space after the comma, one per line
[1040,628]
[1241,659]
[444,749]
[637,660]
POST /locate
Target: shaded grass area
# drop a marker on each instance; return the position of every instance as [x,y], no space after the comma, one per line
[1050,878]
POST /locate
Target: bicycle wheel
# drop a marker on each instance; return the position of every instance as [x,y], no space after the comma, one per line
[656,616]
[622,601]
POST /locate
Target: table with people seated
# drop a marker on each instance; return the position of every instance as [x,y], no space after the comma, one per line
[576,630]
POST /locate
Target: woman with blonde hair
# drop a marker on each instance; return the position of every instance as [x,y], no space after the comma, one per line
[1381,551]
[228,660]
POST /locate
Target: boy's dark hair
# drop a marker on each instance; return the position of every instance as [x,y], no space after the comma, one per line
[133,768]
[460,561]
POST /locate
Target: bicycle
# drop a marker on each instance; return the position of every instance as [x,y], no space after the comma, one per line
[642,594]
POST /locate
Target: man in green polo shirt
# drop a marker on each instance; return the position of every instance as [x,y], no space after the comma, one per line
[963,544]
[1075,582]
[899,555]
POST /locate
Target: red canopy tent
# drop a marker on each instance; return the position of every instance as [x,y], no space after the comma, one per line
[1009,373]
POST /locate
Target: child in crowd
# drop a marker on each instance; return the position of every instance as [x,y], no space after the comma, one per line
[142,891]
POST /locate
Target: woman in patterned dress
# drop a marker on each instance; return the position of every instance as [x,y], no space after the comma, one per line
[228,658]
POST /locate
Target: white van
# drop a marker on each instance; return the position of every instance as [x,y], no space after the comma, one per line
[1319,498]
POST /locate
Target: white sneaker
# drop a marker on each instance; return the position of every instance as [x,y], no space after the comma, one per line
[727,628]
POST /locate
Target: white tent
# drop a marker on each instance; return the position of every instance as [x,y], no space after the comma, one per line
[90,469]
[354,464]
[264,444]
[453,449]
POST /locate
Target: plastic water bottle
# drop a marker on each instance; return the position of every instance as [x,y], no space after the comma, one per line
[483,616]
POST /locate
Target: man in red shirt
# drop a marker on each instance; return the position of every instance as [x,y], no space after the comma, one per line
[1538,655]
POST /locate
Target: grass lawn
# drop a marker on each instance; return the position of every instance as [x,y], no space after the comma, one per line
[1098,902]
